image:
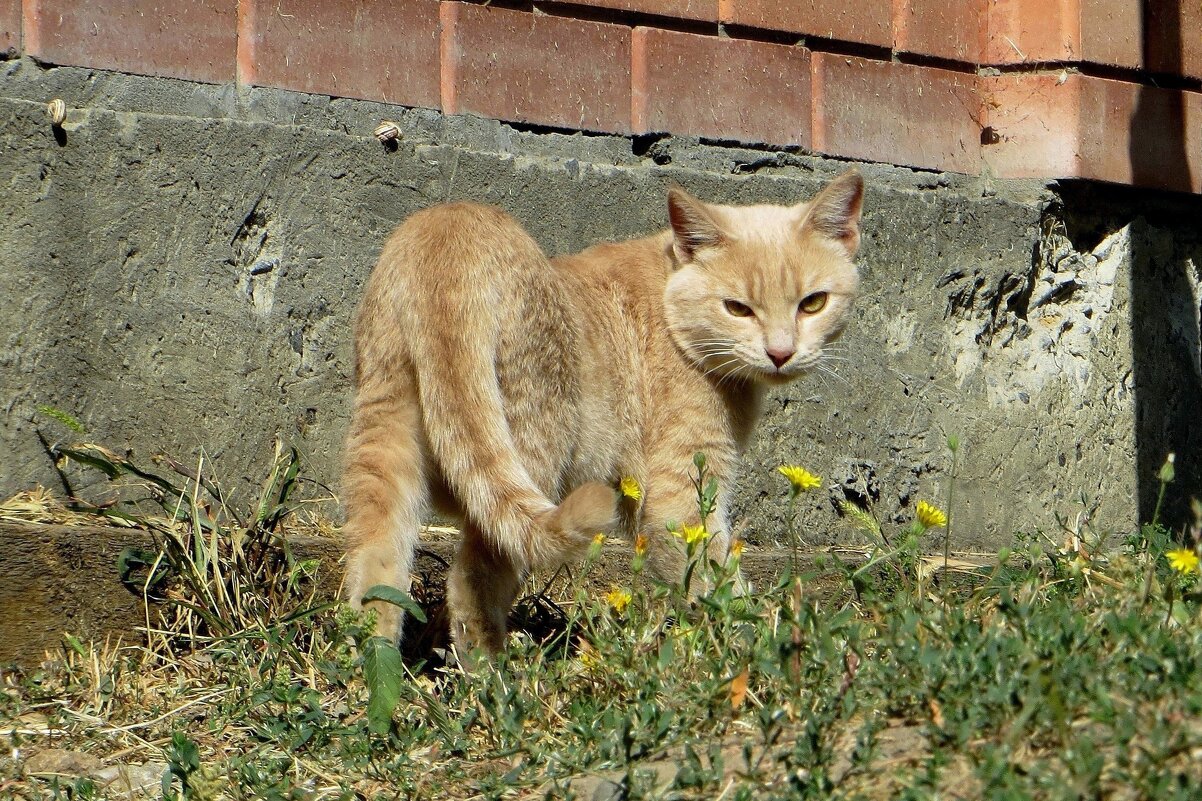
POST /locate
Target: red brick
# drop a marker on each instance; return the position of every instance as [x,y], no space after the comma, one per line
[10,27]
[1189,37]
[384,50]
[989,31]
[896,113]
[704,10]
[515,65]
[1073,126]
[864,21]
[1033,121]
[720,88]
[1167,40]
[1031,31]
[195,40]
[1173,38]
[939,28]
[1111,32]
[1140,135]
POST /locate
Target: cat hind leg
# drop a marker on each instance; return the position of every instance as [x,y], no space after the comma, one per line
[386,495]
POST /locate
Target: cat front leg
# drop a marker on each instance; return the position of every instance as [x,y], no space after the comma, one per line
[481,588]
[671,516]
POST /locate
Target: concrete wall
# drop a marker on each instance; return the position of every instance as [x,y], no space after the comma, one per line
[181,262]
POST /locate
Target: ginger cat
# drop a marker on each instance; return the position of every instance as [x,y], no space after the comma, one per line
[514,392]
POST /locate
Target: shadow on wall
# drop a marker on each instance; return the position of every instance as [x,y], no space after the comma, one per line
[1165,347]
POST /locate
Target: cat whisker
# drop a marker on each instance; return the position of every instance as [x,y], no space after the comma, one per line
[736,374]
[722,365]
[721,370]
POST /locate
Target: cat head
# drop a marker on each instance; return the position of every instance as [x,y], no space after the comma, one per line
[757,292]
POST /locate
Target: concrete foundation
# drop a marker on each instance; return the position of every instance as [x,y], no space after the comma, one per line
[181,263]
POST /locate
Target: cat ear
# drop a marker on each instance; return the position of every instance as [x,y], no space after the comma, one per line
[693,226]
[835,211]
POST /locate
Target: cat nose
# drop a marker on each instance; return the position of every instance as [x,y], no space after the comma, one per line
[779,355]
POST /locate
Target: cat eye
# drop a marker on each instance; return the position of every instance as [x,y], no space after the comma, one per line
[812,304]
[738,309]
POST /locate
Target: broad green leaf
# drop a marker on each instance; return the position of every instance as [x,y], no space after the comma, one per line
[383,672]
[391,595]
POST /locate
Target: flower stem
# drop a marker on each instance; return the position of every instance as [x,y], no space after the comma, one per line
[793,543]
[951,496]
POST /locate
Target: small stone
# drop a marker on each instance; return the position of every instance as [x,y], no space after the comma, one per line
[59,762]
[132,781]
[598,788]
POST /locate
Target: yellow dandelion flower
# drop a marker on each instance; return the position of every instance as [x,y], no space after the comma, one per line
[1183,560]
[692,534]
[619,599]
[640,544]
[930,516]
[800,478]
[736,549]
[598,540]
[631,489]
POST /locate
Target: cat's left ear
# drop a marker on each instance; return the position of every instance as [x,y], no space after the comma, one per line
[834,212]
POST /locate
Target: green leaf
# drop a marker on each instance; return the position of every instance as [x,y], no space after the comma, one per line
[62,417]
[133,566]
[76,645]
[391,595]
[290,475]
[113,465]
[183,755]
[88,456]
[383,672]
[666,653]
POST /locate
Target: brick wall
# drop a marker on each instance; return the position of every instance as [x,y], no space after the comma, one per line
[1102,89]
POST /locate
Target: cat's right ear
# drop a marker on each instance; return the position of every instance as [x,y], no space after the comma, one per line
[693,226]
[835,211]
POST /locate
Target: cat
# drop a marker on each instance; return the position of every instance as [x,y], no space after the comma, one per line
[514,392]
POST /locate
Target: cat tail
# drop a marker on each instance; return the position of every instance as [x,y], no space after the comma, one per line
[459,330]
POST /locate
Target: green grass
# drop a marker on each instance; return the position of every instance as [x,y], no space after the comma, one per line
[1057,672]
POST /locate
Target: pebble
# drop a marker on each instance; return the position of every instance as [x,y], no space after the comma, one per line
[59,762]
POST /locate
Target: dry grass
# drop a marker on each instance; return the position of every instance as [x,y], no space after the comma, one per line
[879,674]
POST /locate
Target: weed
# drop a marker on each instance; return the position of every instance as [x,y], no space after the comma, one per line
[1062,668]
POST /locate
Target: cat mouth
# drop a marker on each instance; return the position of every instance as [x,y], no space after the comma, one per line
[776,375]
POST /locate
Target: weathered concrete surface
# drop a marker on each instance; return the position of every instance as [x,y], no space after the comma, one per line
[181,264]
[65,579]
[60,579]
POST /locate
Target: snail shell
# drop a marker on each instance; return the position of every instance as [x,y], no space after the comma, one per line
[387,131]
[56,109]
